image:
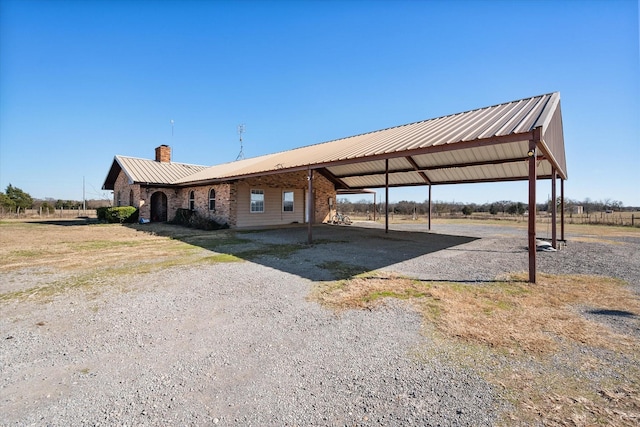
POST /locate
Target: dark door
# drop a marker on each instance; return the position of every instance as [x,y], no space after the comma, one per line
[158,207]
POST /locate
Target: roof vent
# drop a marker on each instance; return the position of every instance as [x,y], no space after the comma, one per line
[163,154]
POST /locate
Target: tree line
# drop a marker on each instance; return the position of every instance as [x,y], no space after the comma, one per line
[14,200]
[504,207]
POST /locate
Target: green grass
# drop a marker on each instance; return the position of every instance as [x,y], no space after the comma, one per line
[28,253]
[406,294]
[342,270]
[281,251]
[215,243]
[105,244]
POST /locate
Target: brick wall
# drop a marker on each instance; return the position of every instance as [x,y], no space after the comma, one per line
[223,196]
[227,207]
[163,154]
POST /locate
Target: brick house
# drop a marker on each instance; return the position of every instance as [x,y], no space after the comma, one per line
[159,187]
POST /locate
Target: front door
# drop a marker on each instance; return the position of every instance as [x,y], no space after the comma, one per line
[158,207]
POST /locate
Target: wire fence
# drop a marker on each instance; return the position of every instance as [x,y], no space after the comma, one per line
[45,213]
[627,219]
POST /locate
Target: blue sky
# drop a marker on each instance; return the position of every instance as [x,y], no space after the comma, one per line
[82,81]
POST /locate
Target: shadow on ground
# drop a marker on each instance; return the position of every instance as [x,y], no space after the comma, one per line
[67,222]
[337,252]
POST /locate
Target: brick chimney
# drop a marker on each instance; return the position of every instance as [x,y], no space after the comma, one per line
[163,154]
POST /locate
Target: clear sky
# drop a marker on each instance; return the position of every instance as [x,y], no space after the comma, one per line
[82,81]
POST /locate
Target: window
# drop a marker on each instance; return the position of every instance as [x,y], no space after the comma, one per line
[287,201]
[192,200]
[119,199]
[131,198]
[212,200]
[257,201]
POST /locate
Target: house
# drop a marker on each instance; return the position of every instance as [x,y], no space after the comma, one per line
[160,187]
[517,140]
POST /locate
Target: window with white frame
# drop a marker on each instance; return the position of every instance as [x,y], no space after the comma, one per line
[287,201]
[212,200]
[192,200]
[257,201]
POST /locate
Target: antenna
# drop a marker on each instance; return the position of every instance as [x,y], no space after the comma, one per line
[172,122]
[240,132]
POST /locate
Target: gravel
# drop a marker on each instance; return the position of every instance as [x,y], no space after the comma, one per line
[241,344]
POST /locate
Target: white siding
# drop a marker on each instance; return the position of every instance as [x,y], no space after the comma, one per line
[273,214]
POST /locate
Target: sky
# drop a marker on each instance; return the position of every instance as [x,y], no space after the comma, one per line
[83,81]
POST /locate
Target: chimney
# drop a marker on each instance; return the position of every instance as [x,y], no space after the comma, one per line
[163,154]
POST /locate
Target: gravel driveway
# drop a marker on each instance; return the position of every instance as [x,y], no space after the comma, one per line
[240,343]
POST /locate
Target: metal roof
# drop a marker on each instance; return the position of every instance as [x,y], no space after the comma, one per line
[482,145]
[145,171]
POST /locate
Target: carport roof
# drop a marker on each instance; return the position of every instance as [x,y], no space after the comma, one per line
[483,145]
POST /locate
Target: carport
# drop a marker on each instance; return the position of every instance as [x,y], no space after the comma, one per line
[519,140]
[515,141]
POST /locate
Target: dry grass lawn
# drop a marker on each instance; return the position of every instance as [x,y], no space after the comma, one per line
[526,339]
[41,258]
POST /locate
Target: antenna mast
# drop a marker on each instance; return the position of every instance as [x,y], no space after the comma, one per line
[172,147]
[240,132]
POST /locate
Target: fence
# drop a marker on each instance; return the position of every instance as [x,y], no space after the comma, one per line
[607,218]
[627,219]
[48,213]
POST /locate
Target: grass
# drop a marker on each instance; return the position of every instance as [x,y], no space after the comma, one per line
[280,251]
[524,339]
[342,270]
[55,259]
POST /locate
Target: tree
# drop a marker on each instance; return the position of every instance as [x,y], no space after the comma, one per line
[516,209]
[6,202]
[19,198]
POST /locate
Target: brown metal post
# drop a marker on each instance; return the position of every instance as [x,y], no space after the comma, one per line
[310,205]
[554,208]
[429,215]
[562,209]
[386,195]
[375,208]
[532,207]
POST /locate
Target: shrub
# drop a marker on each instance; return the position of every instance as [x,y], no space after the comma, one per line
[102,213]
[192,219]
[121,214]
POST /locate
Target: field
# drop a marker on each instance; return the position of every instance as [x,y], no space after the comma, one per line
[630,219]
[543,347]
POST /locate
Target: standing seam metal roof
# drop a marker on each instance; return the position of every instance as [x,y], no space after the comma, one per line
[495,134]
[149,171]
